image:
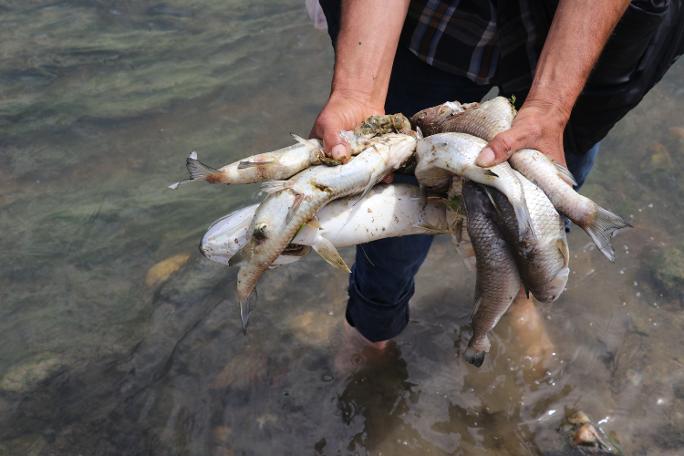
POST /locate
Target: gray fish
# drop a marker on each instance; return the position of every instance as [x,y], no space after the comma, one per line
[542,259]
[498,281]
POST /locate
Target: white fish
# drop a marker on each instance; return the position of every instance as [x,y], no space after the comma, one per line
[311,190]
[443,155]
[386,211]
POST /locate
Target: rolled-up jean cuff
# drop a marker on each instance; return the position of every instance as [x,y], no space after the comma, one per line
[375,321]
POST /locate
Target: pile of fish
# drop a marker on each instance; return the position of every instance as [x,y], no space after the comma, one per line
[509,212]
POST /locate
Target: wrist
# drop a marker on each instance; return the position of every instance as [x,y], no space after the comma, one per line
[552,108]
[365,98]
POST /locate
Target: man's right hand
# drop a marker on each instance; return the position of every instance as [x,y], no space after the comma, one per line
[343,111]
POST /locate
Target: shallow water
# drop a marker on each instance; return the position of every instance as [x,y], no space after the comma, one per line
[100,354]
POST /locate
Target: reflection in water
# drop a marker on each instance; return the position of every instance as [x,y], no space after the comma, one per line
[115,341]
[378,395]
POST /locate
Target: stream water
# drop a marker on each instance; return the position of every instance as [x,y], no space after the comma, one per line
[117,337]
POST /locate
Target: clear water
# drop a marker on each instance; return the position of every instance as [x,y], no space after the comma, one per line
[100,101]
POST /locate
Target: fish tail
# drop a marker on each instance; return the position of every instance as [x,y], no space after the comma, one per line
[474,357]
[604,226]
[198,171]
[477,348]
[246,306]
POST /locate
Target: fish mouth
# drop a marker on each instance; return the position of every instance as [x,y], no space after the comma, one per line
[296,250]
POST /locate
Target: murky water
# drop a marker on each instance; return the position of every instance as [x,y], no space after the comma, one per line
[101,100]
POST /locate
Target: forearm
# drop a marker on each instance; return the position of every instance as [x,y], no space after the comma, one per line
[579,31]
[366,47]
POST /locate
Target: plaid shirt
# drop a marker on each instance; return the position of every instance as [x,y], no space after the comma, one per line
[487,41]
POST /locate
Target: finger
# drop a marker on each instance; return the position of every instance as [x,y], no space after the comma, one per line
[334,146]
[498,150]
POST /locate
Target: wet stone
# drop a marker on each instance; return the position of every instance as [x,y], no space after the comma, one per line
[25,377]
[666,267]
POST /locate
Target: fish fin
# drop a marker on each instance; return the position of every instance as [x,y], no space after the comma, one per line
[306,142]
[603,228]
[489,172]
[419,133]
[522,212]
[299,198]
[329,253]
[429,229]
[562,246]
[488,192]
[565,174]
[368,188]
[197,171]
[246,310]
[474,357]
[244,164]
[275,186]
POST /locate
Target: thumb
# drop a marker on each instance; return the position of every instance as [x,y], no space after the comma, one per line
[499,149]
[335,146]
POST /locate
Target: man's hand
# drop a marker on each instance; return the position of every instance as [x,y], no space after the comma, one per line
[343,111]
[577,35]
[538,125]
[364,52]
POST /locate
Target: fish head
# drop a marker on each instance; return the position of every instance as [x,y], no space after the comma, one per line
[554,288]
[227,235]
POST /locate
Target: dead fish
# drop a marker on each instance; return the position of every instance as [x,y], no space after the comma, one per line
[386,211]
[444,155]
[542,259]
[478,119]
[285,163]
[279,164]
[498,281]
[494,116]
[307,193]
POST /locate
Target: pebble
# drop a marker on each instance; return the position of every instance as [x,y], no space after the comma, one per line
[161,271]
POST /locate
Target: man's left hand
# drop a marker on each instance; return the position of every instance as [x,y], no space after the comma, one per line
[538,125]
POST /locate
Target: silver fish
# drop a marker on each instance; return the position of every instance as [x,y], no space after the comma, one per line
[278,164]
[310,190]
[386,211]
[542,259]
[443,155]
[285,163]
[494,116]
[498,281]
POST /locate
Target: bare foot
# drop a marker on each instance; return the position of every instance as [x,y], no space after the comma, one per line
[528,328]
[355,351]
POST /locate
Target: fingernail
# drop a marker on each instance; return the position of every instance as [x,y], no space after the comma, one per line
[338,151]
[486,157]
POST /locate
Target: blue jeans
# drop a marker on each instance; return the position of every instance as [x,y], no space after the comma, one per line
[382,279]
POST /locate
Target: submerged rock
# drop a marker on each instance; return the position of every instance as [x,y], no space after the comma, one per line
[161,271]
[666,267]
[26,376]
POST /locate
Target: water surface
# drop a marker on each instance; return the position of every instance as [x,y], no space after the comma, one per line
[100,102]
